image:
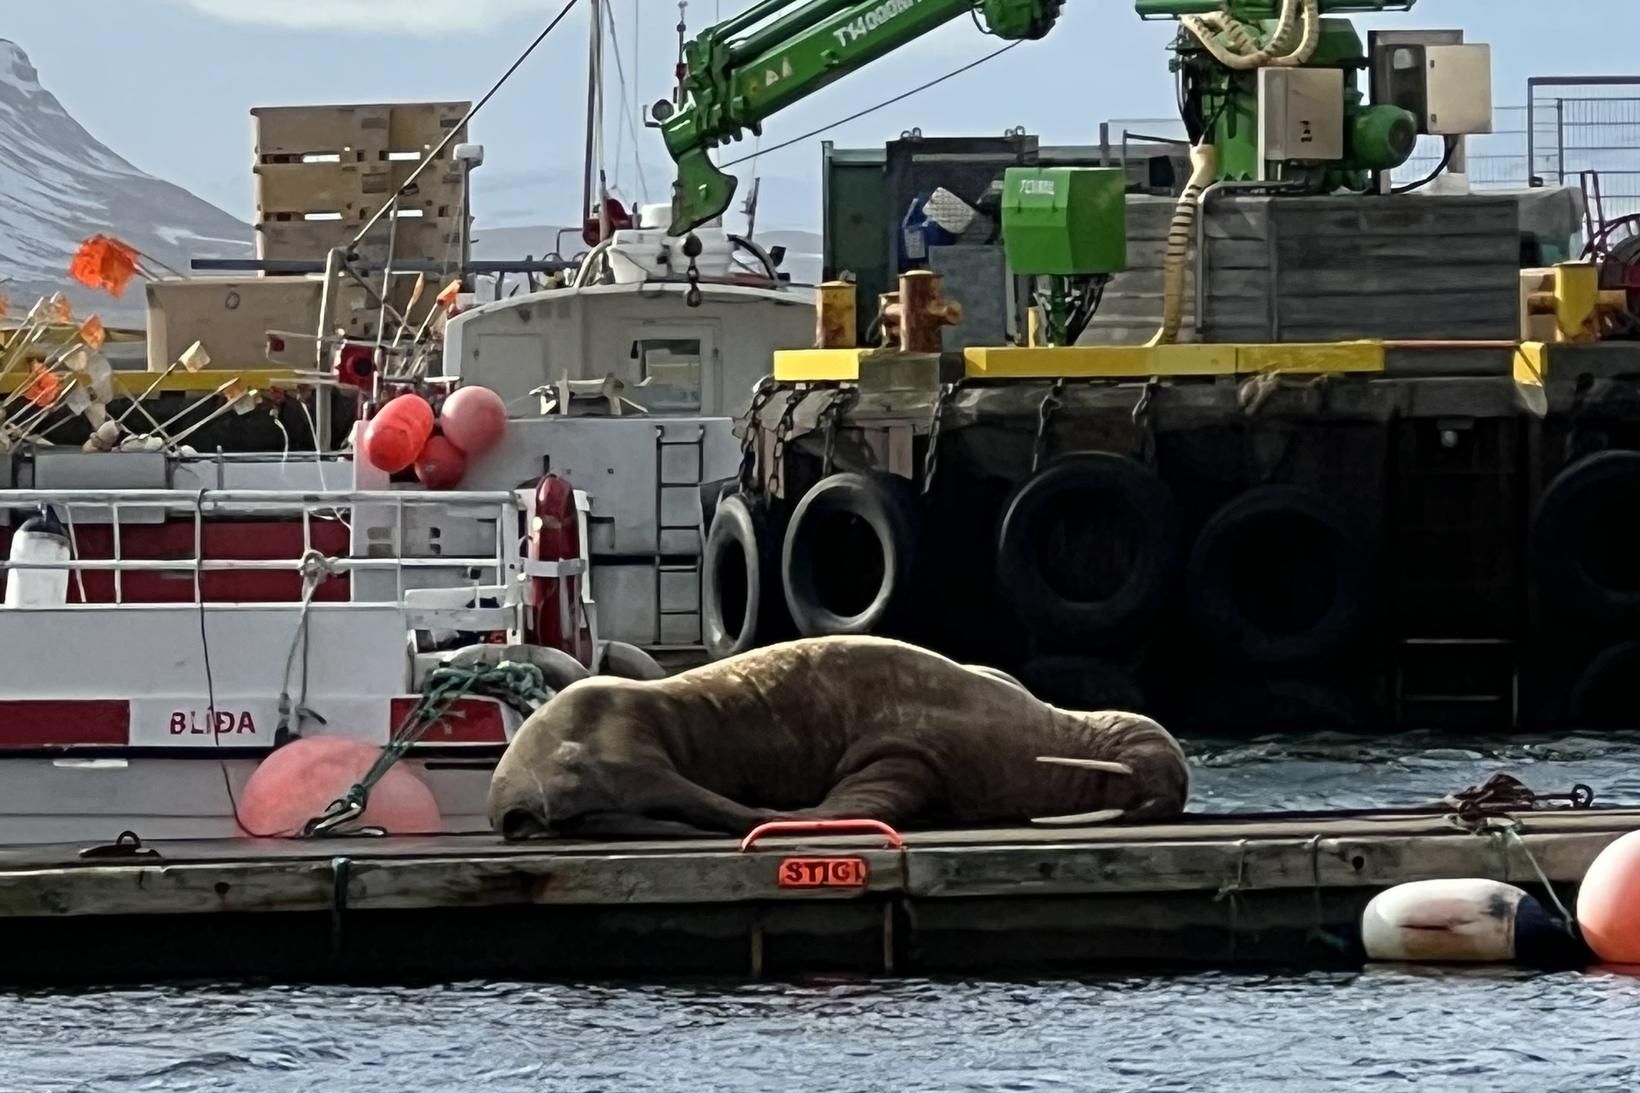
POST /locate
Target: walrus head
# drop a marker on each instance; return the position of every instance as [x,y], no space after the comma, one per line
[1150,775]
[533,794]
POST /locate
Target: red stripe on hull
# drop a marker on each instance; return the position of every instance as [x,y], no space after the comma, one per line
[56,723]
[479,721]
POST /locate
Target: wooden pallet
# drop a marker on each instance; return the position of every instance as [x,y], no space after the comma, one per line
[434,240]
[358,133]
[292,191]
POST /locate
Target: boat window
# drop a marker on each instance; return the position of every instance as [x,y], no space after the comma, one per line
[669,373]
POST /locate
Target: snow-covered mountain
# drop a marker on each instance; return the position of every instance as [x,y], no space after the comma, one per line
[60,185]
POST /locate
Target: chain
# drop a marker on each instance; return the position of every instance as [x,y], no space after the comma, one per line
[691,251]
[751,443]
[782,430]
[832,417]
[1144,424]
[931,459]
[521,683]
[1051,402]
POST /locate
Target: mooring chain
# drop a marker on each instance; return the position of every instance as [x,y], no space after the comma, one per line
[751,443]
[1051,403]
[691,251]
[931,458]
[1144,423]
[832,417]
[782,430]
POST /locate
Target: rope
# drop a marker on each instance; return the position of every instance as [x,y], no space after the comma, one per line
[445,686]
[315,569]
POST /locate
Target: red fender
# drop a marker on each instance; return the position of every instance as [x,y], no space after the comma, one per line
[555,602]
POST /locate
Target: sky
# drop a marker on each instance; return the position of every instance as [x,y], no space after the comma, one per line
[169,83]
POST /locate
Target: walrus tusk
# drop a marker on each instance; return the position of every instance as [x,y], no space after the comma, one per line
[1087,764]
[1079,818]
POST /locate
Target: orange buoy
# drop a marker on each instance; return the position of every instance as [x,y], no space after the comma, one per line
[396,435]
[300,780]
[440,464]
[1608,902]
[473,418]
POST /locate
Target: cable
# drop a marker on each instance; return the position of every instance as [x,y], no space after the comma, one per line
[870,109]
[1446,161]
[449,138]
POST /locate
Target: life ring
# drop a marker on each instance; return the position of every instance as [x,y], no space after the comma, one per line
[1082,683]
[1582,536]
[559,622]
[849,555]
[1279,575]
[1088,548]
[742,603]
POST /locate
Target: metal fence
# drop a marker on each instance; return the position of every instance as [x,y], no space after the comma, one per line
[1587,124]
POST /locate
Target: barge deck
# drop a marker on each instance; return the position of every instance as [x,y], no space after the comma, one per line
[1275,889]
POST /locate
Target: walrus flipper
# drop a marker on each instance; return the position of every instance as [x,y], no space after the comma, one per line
[669,795]
[893,789]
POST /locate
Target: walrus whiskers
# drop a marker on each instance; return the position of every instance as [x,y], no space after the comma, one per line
[1087,764]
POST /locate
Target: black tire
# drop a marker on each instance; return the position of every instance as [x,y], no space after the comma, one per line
[1604,696]
[741,603]
[1280,575]
[1082,683]
[1583,537]
[849,555]
[1088,548]
[712,495]
[1259,707]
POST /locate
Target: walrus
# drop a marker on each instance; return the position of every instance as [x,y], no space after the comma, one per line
[843,727]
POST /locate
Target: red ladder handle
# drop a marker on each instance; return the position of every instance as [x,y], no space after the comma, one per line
[823,827]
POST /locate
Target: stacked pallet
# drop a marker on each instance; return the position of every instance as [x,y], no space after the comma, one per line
[323,171]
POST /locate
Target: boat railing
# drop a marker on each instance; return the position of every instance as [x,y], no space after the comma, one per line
[503,567]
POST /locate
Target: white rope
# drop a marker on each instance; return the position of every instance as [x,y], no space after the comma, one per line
[315,568]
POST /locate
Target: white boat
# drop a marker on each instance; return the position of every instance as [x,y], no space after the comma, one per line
[209,602]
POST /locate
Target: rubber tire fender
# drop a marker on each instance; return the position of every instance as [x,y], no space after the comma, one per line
[742,524]
[627,661]
[1562,579]
[1211,594]
[1093,477]
[1082,683]
[887,504]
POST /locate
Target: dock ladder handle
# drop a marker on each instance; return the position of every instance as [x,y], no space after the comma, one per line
[823,827]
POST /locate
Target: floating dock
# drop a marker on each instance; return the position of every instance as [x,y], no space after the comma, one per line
[1282,889]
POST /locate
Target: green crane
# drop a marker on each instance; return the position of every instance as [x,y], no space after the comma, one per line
[1219,93]
[739,72]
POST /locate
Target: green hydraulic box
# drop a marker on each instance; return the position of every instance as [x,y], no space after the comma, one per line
[1065,221]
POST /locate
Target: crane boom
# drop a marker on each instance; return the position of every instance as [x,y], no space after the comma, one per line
[739,72]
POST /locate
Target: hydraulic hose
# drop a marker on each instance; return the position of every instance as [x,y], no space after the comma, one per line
[1180,234]
[1237,50]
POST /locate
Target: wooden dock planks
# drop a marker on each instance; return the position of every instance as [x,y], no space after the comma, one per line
[1215,892]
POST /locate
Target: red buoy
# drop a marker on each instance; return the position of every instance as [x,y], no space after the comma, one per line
[440,464]
[397,433]
[300,780]
[1608,902]
[473,418]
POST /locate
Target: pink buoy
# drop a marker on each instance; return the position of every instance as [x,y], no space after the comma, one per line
[473,418]
[1608,902]
[300,780]
[440,464]
[397,433]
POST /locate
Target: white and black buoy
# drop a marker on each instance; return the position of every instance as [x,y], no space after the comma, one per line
[41,538]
